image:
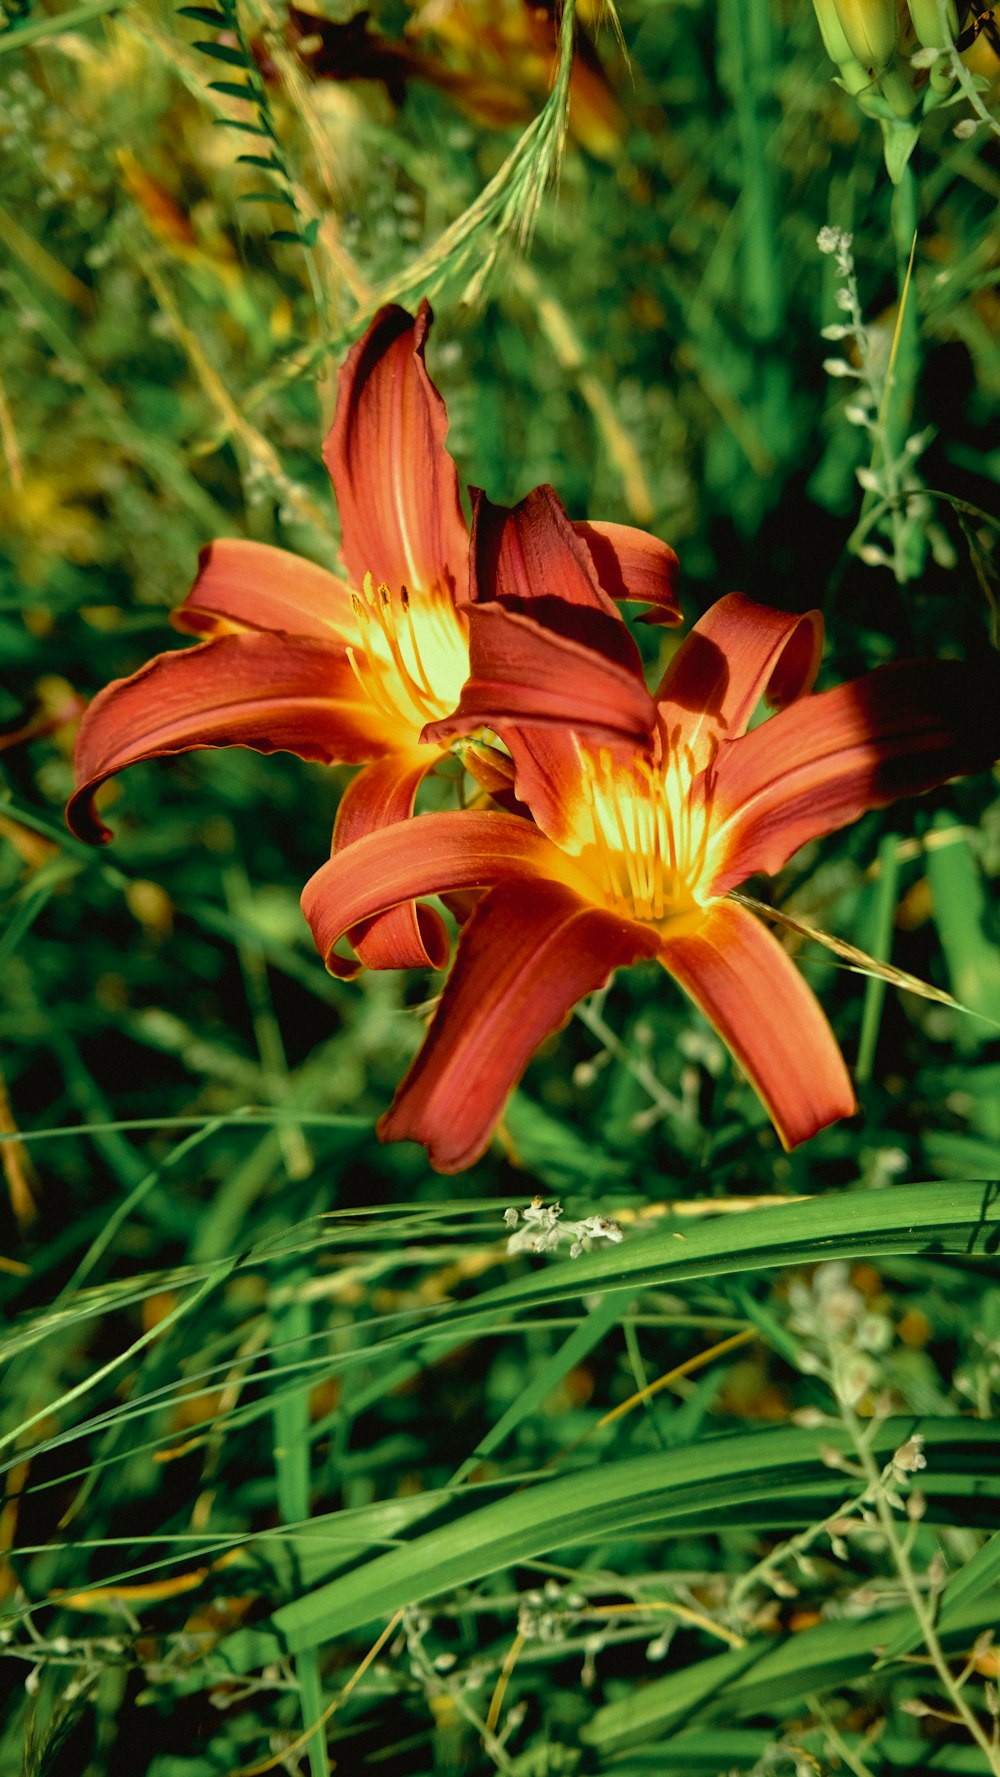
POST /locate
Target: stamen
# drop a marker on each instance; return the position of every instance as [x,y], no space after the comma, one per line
[648,828]
[413,655]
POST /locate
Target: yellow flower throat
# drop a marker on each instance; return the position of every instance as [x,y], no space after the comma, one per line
[413,654]
[647,833]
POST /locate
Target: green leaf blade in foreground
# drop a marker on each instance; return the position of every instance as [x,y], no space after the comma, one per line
[766,1676]
[647,1494]
[933,1219]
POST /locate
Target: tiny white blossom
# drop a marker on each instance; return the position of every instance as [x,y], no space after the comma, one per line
[542,1230]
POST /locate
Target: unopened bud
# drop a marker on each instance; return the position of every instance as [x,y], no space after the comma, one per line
[926,16]
[832,32]
[870,28]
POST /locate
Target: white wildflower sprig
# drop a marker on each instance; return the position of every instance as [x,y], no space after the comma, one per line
[894,528]
[540,1229]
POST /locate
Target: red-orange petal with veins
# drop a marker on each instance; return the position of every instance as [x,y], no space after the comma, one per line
[408,936]
[243,585]
[532,552]
[753,995]
[633,564]
[528,953]
[530,557]
[432,855]
[272,693]
[521,670]
[548,652]
[396,485]
[825,761]
[737,653]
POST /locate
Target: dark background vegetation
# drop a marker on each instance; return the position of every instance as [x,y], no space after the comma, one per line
[224,1324]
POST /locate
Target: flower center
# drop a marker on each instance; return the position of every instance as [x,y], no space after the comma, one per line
[646,832]
[413,655]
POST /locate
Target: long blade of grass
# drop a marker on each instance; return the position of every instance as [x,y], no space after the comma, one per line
[636,1495]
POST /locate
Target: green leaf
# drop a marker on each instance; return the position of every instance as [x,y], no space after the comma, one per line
[222,52]
[701,1484]
[964,1588]
[260,160]
[960,913]
[206,15]
[934,1218]
[236,123]
[232,91]
[767,1675]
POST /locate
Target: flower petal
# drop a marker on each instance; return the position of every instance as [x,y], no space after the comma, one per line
[548,652]
[396,485]
[825,761]
[407,937]
[244,585]
[528,953]
[522,670]
[633,564]
[268,692]
[750,990]
[736,654]
[531,557]
[432,855]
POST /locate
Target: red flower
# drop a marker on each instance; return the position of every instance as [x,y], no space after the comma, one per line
[352,671]
[633,849]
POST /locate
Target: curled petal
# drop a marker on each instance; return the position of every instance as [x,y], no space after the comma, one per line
[528,953]
[825,761]
[408,936]
[433,855]
[530,557]
[736,654]
[244,585]
[531,551]
[521,670]
[273,693]
[548,653]
[633,564]
[396,485]
[750,990]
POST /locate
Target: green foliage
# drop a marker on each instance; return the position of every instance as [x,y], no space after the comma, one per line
[274,1396]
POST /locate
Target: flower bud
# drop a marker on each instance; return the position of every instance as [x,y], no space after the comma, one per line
[830,29]
[870,29]
[926,18]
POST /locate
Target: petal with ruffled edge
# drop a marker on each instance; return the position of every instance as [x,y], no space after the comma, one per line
[396,485]
[272,693]
[752,993]
[824,762]
[736,654]
[633,564]
[529,952]
[433,855]
[243,585]
[408,936]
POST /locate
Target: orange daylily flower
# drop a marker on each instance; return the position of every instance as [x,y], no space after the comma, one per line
[351,671]
[633,849]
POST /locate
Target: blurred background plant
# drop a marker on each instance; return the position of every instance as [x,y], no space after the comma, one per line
[230,1378]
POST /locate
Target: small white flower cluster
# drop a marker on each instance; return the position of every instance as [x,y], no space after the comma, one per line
[897,507]
[843,1337]
[542,1230]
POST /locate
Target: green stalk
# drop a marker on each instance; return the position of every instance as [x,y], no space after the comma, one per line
[880,946]
[749,32]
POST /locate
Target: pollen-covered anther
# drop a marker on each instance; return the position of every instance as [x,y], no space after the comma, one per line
[413,653]
[649,832]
